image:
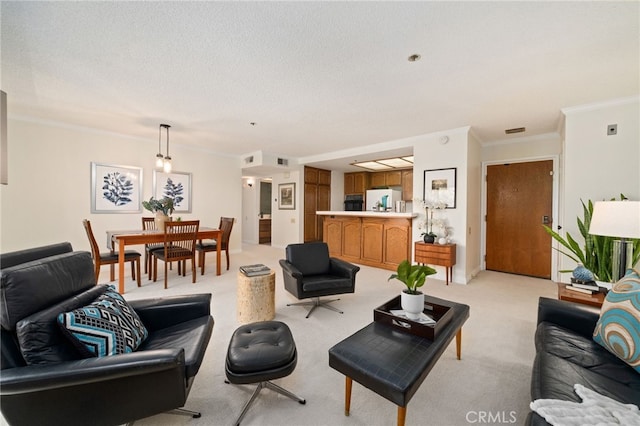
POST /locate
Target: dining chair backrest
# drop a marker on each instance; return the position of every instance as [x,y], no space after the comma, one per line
[95,250]
[226,224]
[180,238]
[148,223]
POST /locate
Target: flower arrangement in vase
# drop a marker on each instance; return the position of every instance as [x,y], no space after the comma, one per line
[427,225]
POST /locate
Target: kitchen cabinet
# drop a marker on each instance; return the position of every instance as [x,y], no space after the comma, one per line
[317,196]
[356,183]
[388,178]
[381,240]
[407,184]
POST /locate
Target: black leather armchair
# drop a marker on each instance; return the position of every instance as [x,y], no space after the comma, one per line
[309,272]
[109,390]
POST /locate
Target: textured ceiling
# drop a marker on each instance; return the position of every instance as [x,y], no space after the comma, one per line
[314,77]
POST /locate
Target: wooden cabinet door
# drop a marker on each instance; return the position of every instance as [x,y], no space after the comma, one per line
[324,177]
[323,204]
[393,178]
[407,185]
[378,179]
[310,175]
[310,207]
[372,235]
[396,242]
[349,183]
[360,182]
[352,234]
[332,235]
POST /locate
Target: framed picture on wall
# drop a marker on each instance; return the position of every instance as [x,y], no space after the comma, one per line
[175,185]
[115,189]
[287,196]
[440,186]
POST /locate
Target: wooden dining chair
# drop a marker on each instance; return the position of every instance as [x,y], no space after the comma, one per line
[149,224]
[179,246]
[111,258]
[226,224]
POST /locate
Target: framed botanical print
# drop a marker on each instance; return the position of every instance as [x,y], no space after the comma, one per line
[287,196]
[440,186]
[115,189]
[175,185]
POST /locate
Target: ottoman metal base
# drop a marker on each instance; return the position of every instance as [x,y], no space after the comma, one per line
[271,386]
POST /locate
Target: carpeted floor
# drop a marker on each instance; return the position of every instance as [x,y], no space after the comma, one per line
[490,382]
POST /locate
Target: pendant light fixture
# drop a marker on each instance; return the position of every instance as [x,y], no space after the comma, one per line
[163,162]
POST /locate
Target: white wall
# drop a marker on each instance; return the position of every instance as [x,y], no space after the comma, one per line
[287,225]
[49,189]
[429,153]
[474,203]
[597,166]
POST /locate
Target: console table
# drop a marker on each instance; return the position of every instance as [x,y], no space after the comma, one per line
[436,254]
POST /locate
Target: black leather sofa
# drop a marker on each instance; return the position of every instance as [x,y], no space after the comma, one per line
[566,354]
[107,390]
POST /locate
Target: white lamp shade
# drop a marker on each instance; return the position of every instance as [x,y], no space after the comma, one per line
[616,219]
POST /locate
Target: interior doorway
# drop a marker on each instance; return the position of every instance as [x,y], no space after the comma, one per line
[264,220]
[519,200]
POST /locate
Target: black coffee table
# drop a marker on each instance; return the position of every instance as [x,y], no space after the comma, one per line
[394,363]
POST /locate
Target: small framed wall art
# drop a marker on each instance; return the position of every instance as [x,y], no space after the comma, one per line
[440,186]
[287,196]
[115,189]
[175,185]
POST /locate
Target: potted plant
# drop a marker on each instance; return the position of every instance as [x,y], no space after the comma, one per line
[162,208]
[596,255]
[413,277]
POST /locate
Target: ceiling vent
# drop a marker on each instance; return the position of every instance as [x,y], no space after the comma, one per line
[283,162]
[248,160]
[515,130]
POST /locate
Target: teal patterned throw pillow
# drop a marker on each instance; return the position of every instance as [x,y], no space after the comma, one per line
[618,328]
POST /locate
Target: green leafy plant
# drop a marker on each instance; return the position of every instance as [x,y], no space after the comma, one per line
[597,253]
[165,205]
[413,276]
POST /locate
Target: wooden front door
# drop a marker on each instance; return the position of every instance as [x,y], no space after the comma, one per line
[519,201]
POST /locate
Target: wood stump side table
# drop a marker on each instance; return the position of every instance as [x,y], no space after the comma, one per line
[256,298]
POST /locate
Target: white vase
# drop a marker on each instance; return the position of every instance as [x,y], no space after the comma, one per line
[412,304]
[160,219]
[442,240]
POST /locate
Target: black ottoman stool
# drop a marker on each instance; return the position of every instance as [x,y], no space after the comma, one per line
[260,352]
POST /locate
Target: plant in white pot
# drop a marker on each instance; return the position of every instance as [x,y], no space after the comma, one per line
[414,277]
[162,208]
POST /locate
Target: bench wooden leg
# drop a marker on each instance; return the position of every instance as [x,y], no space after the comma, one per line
[459,343]
[402,415]
[347,395]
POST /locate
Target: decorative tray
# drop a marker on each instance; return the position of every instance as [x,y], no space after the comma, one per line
[441,314]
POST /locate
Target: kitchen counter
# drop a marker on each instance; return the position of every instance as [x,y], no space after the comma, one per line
[407,215]
[380,239]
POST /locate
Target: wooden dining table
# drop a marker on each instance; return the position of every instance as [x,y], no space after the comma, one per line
[129,238]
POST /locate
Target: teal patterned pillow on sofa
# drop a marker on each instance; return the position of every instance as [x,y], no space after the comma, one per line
[618,328]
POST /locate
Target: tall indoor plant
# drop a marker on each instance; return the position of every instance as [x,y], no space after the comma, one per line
[597,253]
[413,277]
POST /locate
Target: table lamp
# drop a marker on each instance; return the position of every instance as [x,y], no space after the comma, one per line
[618,219]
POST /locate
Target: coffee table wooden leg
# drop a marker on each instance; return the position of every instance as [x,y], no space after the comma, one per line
[402,415]
[459,343]
[347,395]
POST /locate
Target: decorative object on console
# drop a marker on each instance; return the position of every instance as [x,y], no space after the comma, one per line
[583,274]
[163,162]
[618,328]
[620,219]
[413,277]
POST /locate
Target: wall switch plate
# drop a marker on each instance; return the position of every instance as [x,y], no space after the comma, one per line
[612,129]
